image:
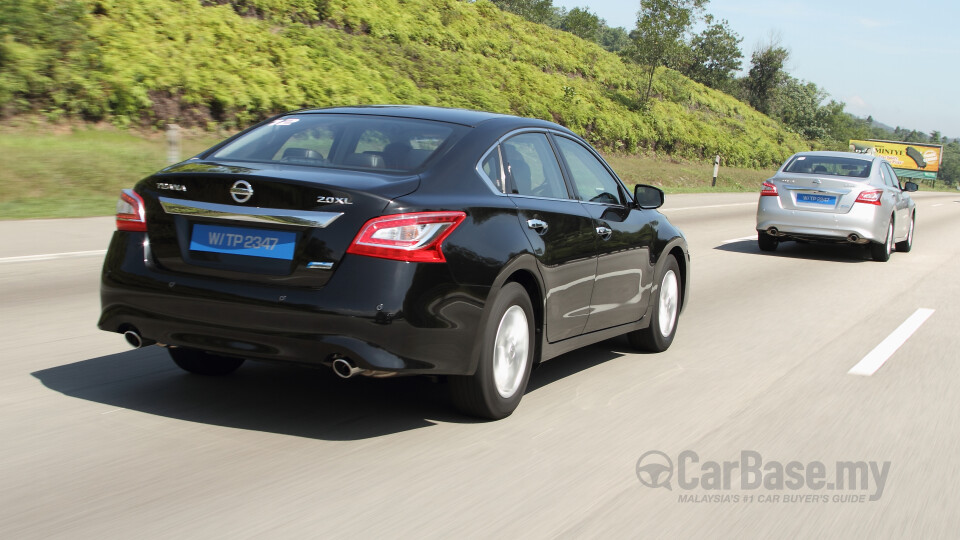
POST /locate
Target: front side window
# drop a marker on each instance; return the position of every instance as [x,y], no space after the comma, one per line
[892,175]
[342,140]
[593,182]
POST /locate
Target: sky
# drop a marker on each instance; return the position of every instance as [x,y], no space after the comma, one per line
[897,61]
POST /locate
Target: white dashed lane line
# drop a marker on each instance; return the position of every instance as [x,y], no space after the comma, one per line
[54,256]
[882,352]
[667,209]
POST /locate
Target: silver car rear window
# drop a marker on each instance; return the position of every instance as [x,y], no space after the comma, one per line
[343,141]
[832,165]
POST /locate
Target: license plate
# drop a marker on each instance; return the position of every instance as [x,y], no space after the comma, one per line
[812,198]
[243,241]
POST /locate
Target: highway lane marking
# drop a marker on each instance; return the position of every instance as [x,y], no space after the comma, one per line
[709,206]
[882,352]
[936,205]
[54,256]
[743,239]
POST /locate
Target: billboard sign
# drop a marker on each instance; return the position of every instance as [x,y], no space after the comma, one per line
[908,156]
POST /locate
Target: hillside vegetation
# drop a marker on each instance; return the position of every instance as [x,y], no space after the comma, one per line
[230,63]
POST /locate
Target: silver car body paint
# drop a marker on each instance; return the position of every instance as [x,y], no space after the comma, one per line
[791,217]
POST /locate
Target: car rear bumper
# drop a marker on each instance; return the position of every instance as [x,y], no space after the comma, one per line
[384,315]
[859,225]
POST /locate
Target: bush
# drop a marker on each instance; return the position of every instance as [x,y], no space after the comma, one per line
[234,62]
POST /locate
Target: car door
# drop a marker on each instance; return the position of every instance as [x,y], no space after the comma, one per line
[560,230]
[625,234]
[901,200]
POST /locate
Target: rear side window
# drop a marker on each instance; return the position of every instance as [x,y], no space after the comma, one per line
[492,166]
[531,167]
[344,141]
[836,166]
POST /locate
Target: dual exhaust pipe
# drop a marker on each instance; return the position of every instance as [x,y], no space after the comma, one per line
[342,366]
[853,238]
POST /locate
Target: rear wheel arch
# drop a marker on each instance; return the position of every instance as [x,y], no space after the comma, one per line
[522,270]
[529,282]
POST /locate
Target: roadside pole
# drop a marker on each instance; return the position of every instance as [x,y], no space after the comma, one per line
[716,169]
[173,144]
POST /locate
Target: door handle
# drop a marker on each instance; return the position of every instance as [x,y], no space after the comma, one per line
[604,232]
[538,225]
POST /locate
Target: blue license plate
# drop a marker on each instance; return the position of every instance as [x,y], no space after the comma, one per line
[812,198]
[243,241]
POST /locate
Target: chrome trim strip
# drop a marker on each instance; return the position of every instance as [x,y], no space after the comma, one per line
[818,190]
[320,265]
[255,215]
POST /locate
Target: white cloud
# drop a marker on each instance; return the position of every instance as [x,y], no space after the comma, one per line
[874,23]
[856,105]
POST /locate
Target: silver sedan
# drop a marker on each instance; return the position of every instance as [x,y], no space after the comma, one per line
[837,197]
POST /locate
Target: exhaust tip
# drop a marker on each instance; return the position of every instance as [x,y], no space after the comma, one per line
[772,231]
[853,238]
[345,368]
[133,338]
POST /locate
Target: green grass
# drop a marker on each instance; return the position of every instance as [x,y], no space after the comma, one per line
[231,62]
[682,176]
[79,173]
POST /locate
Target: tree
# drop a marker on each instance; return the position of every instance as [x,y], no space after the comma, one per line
[950,168]
[581,23]
[659,38]
[715,55]
[766,74]
[538,11]
[799,105]
[613,39]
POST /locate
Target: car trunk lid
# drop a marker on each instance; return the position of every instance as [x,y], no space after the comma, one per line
[818,193]
[279,223]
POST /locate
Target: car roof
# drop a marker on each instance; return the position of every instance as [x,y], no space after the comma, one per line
[464,117]
[828,153]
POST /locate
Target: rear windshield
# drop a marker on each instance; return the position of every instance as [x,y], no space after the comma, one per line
[343,141]
[837,166]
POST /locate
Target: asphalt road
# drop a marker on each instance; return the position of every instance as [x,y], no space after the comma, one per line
[99,441]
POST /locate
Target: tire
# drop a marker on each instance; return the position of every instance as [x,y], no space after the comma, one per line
[666,313]
[767,242]
[506,356]
[881,251]
[204,363]
[906,245]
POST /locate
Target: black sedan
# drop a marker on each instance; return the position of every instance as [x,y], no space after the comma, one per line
[394,240]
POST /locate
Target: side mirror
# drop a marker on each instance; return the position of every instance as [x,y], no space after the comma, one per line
[910,186]
[647,197]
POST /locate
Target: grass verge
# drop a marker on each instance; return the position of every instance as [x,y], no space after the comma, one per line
[65,172]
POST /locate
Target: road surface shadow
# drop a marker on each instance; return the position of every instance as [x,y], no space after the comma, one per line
[813,251]
[278,398]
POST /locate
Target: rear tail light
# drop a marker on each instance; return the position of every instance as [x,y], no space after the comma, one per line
[769,190]
[870,197]
[131,215]
[406,237]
